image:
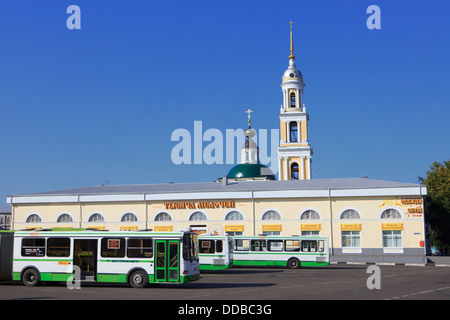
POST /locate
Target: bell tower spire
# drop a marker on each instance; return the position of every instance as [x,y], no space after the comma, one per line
[294,153]
[292,57]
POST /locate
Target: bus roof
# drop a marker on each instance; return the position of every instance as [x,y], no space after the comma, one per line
[95,232]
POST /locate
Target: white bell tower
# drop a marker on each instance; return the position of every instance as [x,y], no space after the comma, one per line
[294,152]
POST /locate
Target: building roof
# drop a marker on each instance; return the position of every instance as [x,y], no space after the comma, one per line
[5,209]
[199,188]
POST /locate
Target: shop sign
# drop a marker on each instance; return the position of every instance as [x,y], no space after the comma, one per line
[216,229]
[414,206]
[200,205]
[350,227]
[234,228]
[163,228]
[391,226]
[271,227]
[128,228]
[310,227]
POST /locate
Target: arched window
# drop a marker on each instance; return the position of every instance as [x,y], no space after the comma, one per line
[129,217]
[234,215]
[33,218]
[271,215]
[391,214]
[310,215]
[294,171]
[293,131]
[292,100]
[351,240]
[65,217]
[96,217]
[163,216]
[350,214]
[198,216]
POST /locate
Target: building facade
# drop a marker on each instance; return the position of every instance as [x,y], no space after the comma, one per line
[364,219]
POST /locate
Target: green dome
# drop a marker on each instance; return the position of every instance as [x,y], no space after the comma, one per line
[251,170]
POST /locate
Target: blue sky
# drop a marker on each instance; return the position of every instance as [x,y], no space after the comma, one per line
[98,105]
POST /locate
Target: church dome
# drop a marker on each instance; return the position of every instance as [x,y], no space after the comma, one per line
[292,71]
[246,171]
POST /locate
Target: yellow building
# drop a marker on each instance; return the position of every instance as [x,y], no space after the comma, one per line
[364,219]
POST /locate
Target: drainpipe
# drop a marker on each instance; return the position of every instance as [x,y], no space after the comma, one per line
[146,213]
[331,224]
[253,208]
[13,214]
[80,215]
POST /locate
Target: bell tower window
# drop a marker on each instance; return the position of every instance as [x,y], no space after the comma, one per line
[294,171]
[293,131]
[292,99]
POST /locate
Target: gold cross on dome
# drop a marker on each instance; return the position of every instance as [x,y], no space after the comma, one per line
[249,112]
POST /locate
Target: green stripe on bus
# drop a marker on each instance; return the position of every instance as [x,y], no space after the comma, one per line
[259,263]
[117,278]
[214,267]
[41,259]
[277,263]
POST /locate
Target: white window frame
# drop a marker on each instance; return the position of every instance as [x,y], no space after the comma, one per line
[65,213]
[94,213]
[129,212]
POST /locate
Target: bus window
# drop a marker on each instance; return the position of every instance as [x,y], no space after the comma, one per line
[33,247]
[321,246]
[140,248]
[292,245]
[258,245]
[242,245]
[219,246]
[113,247]
[207,246]
[309,246]
[58,247]
[275,245]
[190,247]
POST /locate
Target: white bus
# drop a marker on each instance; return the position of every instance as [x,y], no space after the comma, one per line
[215,252]
[293,251]
[134,257]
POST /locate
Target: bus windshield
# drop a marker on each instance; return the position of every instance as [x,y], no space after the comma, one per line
[190,247]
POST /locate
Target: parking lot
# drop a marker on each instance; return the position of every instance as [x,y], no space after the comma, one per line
[339,281]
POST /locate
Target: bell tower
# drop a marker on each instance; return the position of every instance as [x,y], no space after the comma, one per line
[294,152]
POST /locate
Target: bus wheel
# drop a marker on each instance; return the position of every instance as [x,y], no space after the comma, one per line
[30,278]
[138,279]
[293,263]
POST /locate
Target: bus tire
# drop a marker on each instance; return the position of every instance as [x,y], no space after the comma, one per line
[138,279]
[30,277]
[293,263]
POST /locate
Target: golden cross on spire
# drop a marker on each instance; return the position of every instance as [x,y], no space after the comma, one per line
[248,112]
[292,45]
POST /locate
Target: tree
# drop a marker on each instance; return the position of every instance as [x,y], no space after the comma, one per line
[437,203]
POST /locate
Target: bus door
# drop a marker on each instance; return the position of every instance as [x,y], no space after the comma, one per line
[85,257]
[167,267]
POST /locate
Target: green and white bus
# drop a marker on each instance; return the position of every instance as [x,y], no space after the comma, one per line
[215,252]
[134,257]
[292,252]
